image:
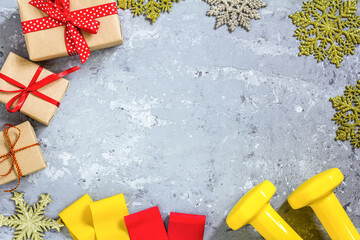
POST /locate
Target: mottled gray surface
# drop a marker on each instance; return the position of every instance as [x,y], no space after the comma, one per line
[189,119]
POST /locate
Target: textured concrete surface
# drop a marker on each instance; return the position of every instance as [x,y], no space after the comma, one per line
[189,119]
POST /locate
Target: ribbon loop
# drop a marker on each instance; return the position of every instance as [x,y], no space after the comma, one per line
[32,88]
[12,154]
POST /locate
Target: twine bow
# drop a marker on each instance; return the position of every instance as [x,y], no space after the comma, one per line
[32,88]
[12,154]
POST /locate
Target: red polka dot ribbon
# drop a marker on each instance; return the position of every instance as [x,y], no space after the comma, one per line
[60,15]
[34,85]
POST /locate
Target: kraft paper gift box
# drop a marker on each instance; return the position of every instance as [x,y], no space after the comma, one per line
[23,71]
[30,160]
[50,43]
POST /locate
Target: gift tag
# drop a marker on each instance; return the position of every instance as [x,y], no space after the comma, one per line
[186,226]
[146,225]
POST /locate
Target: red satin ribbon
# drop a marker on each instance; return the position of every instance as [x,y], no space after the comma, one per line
[12,154]
[32,88]
[59,15]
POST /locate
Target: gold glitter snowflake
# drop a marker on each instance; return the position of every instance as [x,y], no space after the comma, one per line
[347,115]
[235,12]
[30,222]
[327,29]
[151,9]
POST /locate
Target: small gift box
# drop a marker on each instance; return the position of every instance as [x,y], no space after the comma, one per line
[30,89]
[20,153]
[87,24]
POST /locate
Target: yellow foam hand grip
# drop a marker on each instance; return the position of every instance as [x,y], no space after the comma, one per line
[108,218]
[78,220]
[255,209]
[317,192]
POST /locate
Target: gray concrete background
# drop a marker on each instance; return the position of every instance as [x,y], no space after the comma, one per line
[190,118]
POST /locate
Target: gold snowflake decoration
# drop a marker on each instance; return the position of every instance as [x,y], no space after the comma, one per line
[347,115]
[151,9]
[327,29]
[235,12]
[30,222]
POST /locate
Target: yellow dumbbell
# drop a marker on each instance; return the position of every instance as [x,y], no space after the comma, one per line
[255,209]
[317,192]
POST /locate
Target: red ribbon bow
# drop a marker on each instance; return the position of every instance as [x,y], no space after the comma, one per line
[75,41]
[60,14]
[12,155]
[32,88]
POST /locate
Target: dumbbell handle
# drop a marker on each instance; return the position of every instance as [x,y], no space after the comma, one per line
[271,225]
[334,218]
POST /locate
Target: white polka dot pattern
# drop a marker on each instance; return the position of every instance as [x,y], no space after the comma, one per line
[60,15]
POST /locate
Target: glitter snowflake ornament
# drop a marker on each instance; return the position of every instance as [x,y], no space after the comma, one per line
[235,13]
[328,29]
[30,222]
[151,9]
[347,116]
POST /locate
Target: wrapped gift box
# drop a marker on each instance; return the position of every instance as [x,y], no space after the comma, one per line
[23,71]
[30,160]
[50,43]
